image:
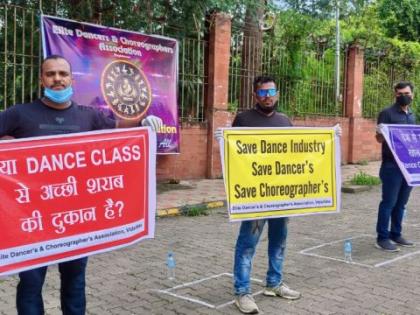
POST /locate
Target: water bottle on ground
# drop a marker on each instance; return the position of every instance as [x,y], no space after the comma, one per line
[347,251]
[170,264]
[405,214]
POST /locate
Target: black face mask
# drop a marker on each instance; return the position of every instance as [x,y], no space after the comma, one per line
[266,110]
[403,100]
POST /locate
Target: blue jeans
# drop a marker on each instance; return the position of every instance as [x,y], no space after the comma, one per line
[248,238]
[395,194]
[73,299]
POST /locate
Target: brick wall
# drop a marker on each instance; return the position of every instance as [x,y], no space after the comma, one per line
[192,161]
[328,122]
[364,148]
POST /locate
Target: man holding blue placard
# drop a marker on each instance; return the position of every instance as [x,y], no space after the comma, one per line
[395,190]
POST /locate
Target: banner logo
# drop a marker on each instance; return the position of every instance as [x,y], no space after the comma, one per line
[130,74]
[125,89]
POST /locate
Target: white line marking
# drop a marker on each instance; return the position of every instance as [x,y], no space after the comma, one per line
[305,251]
[168,291]
[188,299]
[233,301]
[257,280]
[387,262]
[384,263]
[330,243]
[252,279]
[224,304]
[195,282]
[338,259]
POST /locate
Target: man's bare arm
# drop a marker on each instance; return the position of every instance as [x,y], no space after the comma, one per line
[127,123]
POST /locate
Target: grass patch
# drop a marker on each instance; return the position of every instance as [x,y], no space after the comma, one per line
[194,211]
[363,162]
[365,179]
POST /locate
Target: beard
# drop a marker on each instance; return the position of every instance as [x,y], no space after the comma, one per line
[267,109]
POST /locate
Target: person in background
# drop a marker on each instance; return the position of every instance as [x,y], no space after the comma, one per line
[395,190]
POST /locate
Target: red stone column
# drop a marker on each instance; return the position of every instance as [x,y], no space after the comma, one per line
[354,97]
[217,87]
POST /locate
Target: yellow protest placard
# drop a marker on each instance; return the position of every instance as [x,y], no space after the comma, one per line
[276,172]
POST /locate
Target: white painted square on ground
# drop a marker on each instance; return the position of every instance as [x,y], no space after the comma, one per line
[364,252]
[210,291]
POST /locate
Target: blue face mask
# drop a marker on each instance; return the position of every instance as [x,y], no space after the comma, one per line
[60,96]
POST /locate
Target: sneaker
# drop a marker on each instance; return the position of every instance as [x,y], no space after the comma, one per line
[246,304]
[402,242]
[283,291]
[387,245]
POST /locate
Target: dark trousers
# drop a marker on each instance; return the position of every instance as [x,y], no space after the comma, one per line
[395,194]
[73,298]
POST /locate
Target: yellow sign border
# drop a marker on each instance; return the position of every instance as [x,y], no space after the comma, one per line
[335,175]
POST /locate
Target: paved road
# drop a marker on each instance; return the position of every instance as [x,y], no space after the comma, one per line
[128,281]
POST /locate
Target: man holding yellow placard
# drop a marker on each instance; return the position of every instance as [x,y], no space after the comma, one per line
[263,115]
[273,171]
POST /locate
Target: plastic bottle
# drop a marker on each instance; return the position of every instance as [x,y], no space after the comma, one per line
[347,251]
[170,264]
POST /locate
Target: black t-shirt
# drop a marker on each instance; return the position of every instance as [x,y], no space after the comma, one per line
[394,115]
[253,118]
[37,119]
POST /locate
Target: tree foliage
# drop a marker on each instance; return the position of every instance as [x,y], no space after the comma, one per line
[299,49]
[181,16]
[401,19]
[362,28]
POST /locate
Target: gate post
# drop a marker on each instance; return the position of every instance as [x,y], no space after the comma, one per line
[218,58]
[353,100]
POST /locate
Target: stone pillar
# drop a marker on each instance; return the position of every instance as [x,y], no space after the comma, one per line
[218,57]
[354,97]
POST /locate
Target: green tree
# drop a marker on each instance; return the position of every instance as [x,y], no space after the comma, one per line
[325,9]
[363,27]
[400,19]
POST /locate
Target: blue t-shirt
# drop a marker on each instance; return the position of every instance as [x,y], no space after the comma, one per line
[37,119]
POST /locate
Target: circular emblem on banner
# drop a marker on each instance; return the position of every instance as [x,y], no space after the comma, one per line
[125,89]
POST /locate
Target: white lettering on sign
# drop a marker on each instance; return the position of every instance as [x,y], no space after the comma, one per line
[33,223]
[66,189]
[117,155]
[56,162]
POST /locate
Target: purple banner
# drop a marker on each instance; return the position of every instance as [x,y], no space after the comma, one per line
[126,74]
[404,142]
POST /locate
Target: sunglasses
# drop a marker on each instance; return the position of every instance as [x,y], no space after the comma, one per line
[266,92]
